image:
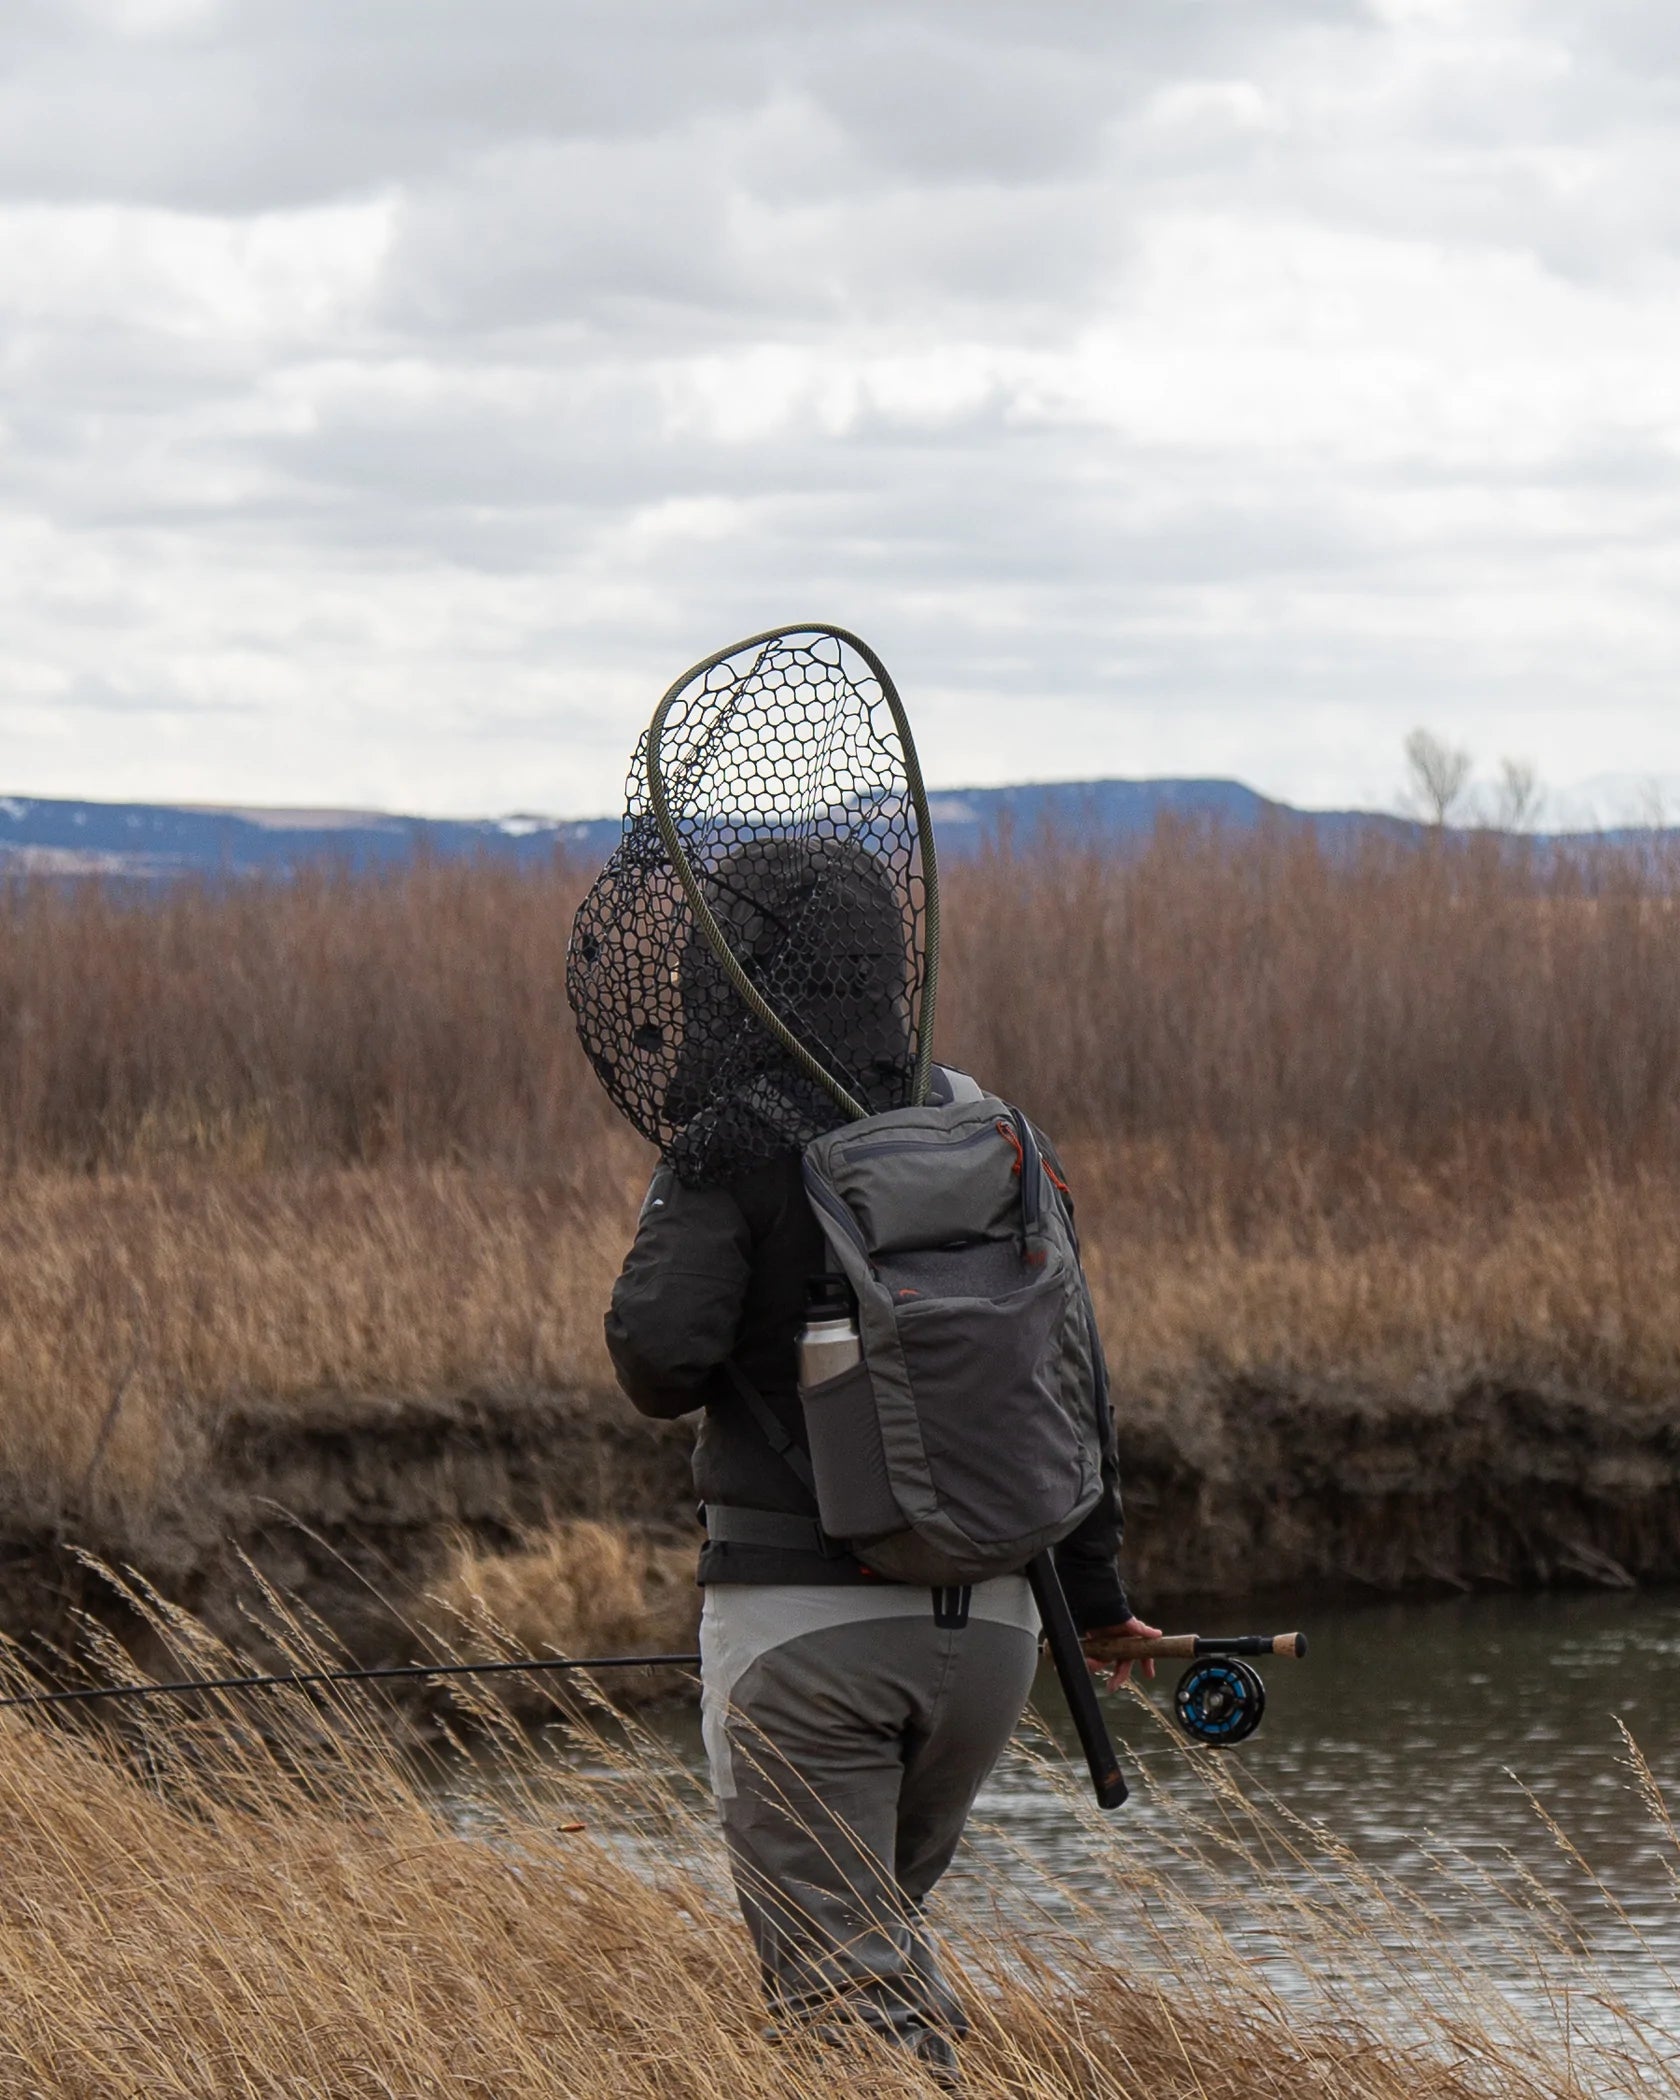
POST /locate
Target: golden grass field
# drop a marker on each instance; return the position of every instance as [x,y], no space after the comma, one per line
[139,1307]
[210,1903]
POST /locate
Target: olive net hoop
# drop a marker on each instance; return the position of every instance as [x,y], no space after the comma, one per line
[758,959]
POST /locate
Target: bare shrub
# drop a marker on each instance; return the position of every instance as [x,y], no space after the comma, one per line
[1439,776]
[1262,989]
[419,1014]
[1490,1003]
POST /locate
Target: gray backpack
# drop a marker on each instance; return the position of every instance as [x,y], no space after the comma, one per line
[970,1433]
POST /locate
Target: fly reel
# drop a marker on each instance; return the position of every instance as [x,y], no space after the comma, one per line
[1221,1697]
[1220,1701]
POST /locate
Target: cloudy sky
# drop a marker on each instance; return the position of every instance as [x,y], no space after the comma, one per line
[395,394]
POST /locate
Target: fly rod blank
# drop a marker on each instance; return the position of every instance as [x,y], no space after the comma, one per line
[186,1687]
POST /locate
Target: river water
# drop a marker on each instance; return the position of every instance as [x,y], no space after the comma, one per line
[1470,1753]
[1439,1786]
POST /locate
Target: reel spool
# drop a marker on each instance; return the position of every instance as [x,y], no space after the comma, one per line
[1220,1701]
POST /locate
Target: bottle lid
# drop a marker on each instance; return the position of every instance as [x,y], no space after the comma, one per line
[828,1297]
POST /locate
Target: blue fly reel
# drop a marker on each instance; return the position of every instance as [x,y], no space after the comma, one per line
[1220,1701]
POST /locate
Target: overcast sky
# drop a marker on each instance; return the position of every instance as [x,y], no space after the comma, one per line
[396,394]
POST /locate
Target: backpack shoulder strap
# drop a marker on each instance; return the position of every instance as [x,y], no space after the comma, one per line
[754,1527]
[797,1461]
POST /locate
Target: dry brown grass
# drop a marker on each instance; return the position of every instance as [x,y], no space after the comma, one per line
[1405,1121]
[137,1311]
[393,1355]
[1251,989]
[577,1588]
[1380,1275]
[141,1314]
[201,1909]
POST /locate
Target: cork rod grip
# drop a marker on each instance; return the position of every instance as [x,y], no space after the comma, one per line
[1194,1644]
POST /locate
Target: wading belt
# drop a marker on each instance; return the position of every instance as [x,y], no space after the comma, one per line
[727,1525]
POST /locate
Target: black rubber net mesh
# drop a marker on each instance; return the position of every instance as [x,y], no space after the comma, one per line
[785,776]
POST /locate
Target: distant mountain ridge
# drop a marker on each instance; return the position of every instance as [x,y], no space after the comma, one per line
[1112,812]
[161,839]
[153,840]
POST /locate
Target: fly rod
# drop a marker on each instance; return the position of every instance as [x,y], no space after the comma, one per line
[186,1686]
[1219,1701]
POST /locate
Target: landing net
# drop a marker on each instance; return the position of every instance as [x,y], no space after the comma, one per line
[757,961]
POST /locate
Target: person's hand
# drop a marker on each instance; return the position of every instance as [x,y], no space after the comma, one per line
[1096,1638]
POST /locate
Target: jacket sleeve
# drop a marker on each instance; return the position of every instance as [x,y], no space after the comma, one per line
[1088,1559]
[676,1306]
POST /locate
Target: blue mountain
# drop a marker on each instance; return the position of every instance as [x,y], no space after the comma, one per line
[145,839]
[157,839]
[1121,812]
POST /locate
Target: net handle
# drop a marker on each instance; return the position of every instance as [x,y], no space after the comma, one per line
[706,918]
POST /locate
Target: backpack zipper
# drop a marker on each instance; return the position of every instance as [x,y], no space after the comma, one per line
[885,1145]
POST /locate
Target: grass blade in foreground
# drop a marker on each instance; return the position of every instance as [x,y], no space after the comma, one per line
[208,1909]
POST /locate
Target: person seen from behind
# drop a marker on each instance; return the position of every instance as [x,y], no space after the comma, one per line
[849,1721]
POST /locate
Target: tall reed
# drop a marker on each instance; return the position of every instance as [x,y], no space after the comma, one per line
[417,1015]
[1510,1008]
[1479,999]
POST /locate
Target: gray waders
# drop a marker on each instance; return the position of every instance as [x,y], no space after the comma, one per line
[848,1732]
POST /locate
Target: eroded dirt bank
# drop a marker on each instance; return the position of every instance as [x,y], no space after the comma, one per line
[360,1509]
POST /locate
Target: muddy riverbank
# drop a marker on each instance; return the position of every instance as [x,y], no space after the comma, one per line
[365,1509]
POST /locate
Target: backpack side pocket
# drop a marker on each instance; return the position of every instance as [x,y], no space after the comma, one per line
[854,1493]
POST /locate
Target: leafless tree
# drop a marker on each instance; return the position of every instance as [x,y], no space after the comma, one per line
[1438,774]
[1517,798]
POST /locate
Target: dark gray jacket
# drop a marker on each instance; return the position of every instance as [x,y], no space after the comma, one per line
[717,1276]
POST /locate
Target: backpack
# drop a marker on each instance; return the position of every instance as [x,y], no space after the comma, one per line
[970,1433]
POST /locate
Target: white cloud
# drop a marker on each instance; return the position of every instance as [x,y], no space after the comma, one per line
[393,399]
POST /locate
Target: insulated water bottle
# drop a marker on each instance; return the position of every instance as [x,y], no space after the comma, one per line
[828,1342]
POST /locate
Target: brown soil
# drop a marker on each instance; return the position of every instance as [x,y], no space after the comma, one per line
[362,1510]
[368,1513]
